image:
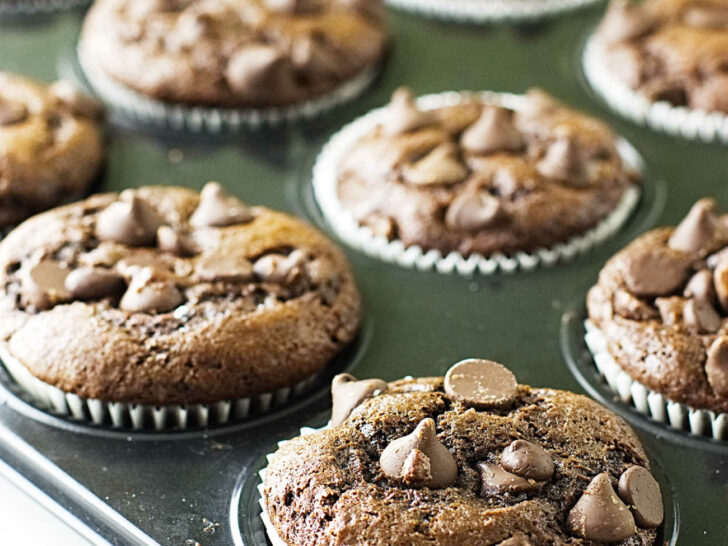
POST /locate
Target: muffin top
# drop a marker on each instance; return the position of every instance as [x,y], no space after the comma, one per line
[673,50]
[472,458]
[161,295]
[50,145]
[662,304]
[239,53]
[482,178]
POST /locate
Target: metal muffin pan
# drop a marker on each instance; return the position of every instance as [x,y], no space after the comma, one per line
[200,486]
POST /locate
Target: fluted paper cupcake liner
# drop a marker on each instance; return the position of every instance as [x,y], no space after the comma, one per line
[140,416]
[700,422]
[343,222]
[660,115]
[138,108]
[19,8]
[485,11]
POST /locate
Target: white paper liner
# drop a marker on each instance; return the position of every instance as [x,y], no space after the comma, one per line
[343,222]
[139,108]
[485,11]
[700,422]
[140,416]
[661,115]
[32,7]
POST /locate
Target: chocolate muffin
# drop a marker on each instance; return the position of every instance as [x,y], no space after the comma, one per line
[471,458]
[661,304]
[482,176]
[50,145]
[233,53]
[162,296]
[669,50]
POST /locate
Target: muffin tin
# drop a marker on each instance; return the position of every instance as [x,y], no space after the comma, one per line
[199,486]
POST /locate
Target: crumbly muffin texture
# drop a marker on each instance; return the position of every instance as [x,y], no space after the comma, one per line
[662,304]
[412,465]
[50,145]
[482,178]
[161,295]
[671,50]
[237,53]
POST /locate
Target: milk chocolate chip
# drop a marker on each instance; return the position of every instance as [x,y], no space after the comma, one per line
[176,242]
[131,221]
[701,317]
[43,285]
[403,115]
[218,209]
[700,287]
[655,272]
[528,460]
[347,393]
[481,383]
[440,166]
[147,294]
[279,267]
[641,492]
[625,20]
[720,282]
[406,459]
[79,103]
[12,112]
[496,481]
[564,161]
[473,211]
[716,366]
[494,131]
[224,269]
[90,283]
[600,515]
[255,69]
[628,306]
[697,229]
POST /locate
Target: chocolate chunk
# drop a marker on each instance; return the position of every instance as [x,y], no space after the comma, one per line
[218,209]
[255,69]
[655,272]
[279,267]
[496,481]
[398,461]
[639,489]
[671,310]
[720,283]
[519,539]
[628,306]
[176,242]
[43,285]
[403,115]
[701,317]
[131,221]
[12,112]
[473,211]
[564,161]
[600,515]
[224,269]
[625,20]
[481,383]
[697,229]
[147,294]
[440,166]
[79,103]
[700,287]
[347,393]
[716,366]
[528,460]
[91,283]
[494,131]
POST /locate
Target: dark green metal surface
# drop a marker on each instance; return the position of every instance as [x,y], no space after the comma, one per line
[172,487]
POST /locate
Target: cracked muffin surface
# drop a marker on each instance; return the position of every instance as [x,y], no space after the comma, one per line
[161,295]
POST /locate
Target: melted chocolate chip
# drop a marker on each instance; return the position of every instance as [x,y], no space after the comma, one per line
[347,393]
[481,383]
[131,221]
[218,209]
[440,166]
[494,480]
[528,460]
[43,285]
[91,283]
[655,272]
[701,317]
[473,211]
[600,515]
[628,306]
[279,267]
[148,294]
[639,489]
[255,69]
[700,287]
[224,269]
[494,131]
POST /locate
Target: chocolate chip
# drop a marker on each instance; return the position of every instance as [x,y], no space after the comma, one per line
[496,481]
[720,283]
[628,306]
[255,69]
[564,161]
[176,242]
[528,460]
[131,221]
[519,539]
[279,267]
[473,211]
[697,229]
[79,103]
[91,283]
[494,131]
[715,259]
[440,166]
[347,393]
[700,287]
[655,272]
[701,317]
[147,294]
[625,20]
[716,366]
[403,115]
[641,492]
[43,285]
[481,383]
[398,461]
[218,209]
[12,112]
[600,515]
[224,269]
